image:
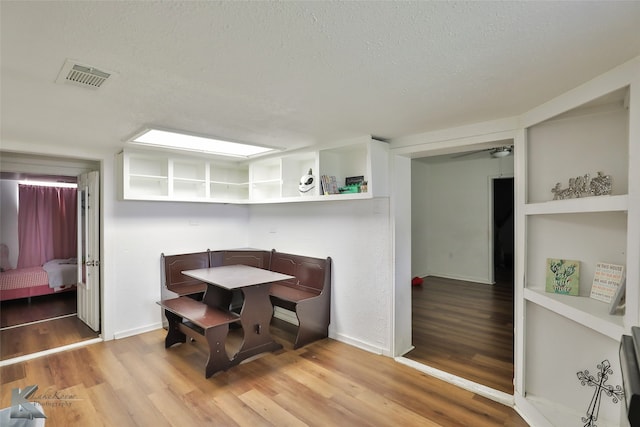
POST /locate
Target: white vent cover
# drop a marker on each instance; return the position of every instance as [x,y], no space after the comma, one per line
[83,75]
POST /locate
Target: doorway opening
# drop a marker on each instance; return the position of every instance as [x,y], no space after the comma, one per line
[503,230]
[462,246]
[32,322]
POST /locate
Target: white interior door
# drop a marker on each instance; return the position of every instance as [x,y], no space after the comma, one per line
[89,249]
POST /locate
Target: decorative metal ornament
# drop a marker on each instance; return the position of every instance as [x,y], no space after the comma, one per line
[616,393]
[583,186]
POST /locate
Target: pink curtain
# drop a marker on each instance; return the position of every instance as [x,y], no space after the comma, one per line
[47,218]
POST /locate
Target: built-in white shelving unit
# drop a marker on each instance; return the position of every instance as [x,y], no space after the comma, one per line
[228,182]
[189,179]
[146,177]
[265,179]
[159,175]
[584,132]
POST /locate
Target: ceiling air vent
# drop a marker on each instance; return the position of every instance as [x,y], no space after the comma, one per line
[83,75]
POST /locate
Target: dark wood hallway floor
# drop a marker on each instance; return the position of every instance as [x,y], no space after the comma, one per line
[465,329]
[42,323]
[27,310]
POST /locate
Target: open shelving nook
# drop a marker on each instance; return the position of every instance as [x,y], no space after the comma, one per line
[163,176]
[586,131]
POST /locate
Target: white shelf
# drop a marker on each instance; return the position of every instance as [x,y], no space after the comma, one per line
[151,175]
[586,311]
[559,415]
[237,184]
[591,136]
[139,186]
[323,198]
[148,177]
[276,181]
[189,180]
[148,166]
[586,204]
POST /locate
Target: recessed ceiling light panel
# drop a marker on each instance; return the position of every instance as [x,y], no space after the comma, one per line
[181,141]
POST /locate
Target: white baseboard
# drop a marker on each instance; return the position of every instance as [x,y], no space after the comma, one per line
[137,331]
[360,344]
[529,412]
[50,351]
[473,279]
[482,390]
[402,353]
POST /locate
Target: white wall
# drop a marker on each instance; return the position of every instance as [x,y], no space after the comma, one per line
[9,218]
[401,203]
[450,218]
[356,235]
[135,234]
[144,230]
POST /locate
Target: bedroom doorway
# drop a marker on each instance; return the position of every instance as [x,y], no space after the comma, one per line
[48,322]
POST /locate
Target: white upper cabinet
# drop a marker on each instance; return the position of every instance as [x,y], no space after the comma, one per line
[155,175]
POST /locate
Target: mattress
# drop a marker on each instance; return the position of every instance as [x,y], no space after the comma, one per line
[23,278]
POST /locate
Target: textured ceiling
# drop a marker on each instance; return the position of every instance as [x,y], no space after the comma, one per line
[291,74]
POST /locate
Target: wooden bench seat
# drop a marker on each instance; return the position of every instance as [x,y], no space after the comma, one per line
[308,295]
[290,293]
[188,317]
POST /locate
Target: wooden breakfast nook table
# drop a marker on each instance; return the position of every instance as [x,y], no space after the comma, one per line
[212,317]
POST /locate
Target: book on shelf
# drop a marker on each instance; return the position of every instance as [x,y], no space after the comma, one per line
[329,184]
[563,276]
[606,281]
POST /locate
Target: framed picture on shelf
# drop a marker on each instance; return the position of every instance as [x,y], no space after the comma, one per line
[563,276]
[618,298]
[353,180]
[606,281]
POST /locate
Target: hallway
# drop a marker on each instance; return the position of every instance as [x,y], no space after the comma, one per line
[465,329]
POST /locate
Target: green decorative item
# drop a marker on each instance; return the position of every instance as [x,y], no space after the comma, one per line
[563,276]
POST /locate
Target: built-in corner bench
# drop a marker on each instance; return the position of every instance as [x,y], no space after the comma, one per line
[175,284]
[308,294]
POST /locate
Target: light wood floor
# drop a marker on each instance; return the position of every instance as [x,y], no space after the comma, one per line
[135,381]
[465,329]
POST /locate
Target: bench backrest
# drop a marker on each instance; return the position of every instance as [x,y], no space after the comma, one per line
[173,265]
[253,258]
[311,274]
